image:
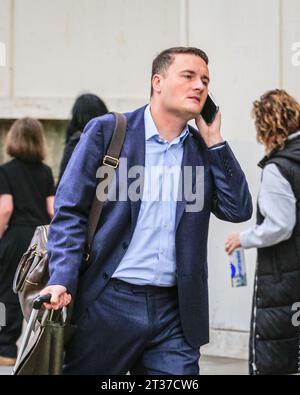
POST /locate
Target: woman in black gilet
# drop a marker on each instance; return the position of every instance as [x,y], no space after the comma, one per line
[274,332]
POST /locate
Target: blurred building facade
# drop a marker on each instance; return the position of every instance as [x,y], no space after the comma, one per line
[59,49]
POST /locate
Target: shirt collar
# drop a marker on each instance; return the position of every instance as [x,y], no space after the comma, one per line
[151,130]
[294,135]
[262,163]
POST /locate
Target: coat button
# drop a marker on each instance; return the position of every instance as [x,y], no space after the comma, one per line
[105,276]
[257,337]
[125,245]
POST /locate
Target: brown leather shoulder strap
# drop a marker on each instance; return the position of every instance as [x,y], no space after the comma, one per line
[110,159]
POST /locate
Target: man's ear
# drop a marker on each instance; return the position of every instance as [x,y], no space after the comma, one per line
[157,81]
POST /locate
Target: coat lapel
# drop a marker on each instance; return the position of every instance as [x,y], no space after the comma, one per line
[191,158]
[134,151]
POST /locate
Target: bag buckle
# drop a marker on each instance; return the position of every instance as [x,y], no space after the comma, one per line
[111,161]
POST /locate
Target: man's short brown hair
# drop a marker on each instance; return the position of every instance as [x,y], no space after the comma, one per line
[164,60]
[25,140]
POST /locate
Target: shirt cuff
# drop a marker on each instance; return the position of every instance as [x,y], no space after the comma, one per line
[217,146]
[245,239]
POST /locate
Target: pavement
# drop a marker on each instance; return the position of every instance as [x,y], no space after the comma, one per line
[5,370]
[209,366]
[217,366]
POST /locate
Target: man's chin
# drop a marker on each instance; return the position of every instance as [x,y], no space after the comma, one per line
[188,113]
[192,113]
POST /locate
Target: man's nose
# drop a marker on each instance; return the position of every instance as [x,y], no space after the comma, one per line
[199,85]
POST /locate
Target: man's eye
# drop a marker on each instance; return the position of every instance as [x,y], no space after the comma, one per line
[188,76]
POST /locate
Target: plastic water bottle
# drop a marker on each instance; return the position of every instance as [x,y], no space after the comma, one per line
[238,268]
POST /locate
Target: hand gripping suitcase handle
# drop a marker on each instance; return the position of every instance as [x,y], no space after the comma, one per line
[38,302]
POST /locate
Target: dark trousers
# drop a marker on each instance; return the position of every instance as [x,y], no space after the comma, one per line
[12,246]
[134,329]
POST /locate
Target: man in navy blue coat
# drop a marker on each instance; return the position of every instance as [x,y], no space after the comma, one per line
[142,305]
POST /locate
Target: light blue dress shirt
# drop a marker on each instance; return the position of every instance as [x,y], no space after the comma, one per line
[150,258]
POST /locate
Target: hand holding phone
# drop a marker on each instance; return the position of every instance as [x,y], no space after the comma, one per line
[209,110]
[209,122]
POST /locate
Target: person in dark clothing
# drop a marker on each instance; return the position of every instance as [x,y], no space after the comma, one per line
[26,201]
[86,107]
[274,341]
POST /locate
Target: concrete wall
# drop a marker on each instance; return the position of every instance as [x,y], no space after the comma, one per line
[58,49]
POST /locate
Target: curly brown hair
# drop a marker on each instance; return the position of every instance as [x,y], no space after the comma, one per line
[277,115]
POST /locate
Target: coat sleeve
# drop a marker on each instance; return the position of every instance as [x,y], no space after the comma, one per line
[277,204]
[73,200]
[231,199]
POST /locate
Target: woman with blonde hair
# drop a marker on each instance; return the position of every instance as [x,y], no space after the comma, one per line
[26,201]
[274,340]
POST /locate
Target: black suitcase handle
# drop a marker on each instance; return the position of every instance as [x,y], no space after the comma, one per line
[40,300]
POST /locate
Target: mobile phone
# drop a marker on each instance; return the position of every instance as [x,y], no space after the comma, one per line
[209,110]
